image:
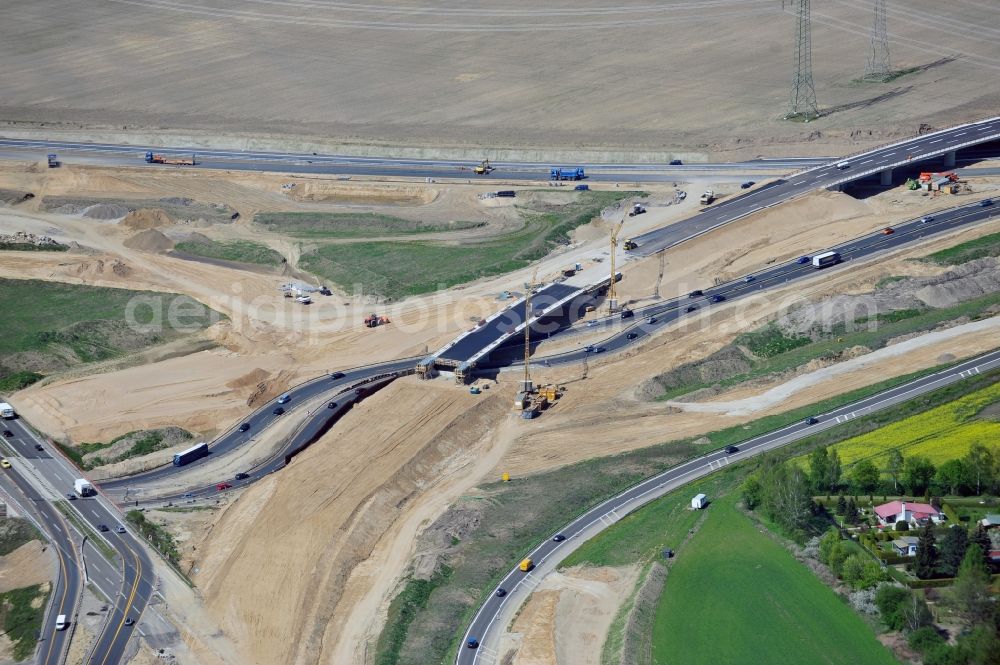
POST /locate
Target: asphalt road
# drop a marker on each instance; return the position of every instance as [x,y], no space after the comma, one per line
[67,587]
[824,176]
[349,165]
[129,579]
[496,611]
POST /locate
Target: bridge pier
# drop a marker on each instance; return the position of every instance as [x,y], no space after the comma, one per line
[886,177]
[949,159]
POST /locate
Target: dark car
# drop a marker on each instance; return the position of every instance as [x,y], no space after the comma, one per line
[718,297]
[558,538]
[337,375]
[803,259]
[71,496]
[473,643]
[749,278]
[129,621]
[748,184]
[600,349]
[501,592]
[675,162]
[188,495]
[627,314]
[589,348]
[732,449]
[102,527]
[631,336]
[278,410]
[331,405]
[811,420]
[696,293]
[7,432]
[691,308]
[242,476]
[244,427]
[986,202]
[38,447]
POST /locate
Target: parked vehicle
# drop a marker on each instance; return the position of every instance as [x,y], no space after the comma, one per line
[582,188]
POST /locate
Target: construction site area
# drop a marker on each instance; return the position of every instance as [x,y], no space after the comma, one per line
[323,357]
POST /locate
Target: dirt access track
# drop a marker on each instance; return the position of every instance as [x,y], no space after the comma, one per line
[694,80]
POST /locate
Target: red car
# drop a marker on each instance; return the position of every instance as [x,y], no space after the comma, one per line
[222,486]
[888,231]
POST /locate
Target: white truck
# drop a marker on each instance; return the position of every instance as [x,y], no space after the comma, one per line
[83,487]
[6,411]
[707,197]
[825,259]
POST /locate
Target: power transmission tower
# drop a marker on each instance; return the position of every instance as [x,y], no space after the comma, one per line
[803,91]
[878,67]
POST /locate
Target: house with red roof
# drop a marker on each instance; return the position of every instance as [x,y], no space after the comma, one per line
[914,514]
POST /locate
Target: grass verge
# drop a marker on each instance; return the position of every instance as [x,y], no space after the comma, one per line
[781,353]
[242,251]
[102,546]
[15,532]
[157,535]
[32,247]
[50,326]
[142,443]
[331,225]
[396,270]
[736,596]
[21,614]
[15,381]
[402,610]
[988,245]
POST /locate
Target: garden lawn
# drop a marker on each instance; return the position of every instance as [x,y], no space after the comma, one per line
[736,596]
[940,434]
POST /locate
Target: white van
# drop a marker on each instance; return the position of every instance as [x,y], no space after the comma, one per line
[61,622]
[285,399]
[843,165]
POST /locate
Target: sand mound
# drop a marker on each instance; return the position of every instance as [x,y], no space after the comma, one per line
[326,512]
[146,218]
[105,211]
[150,240]
[260,385]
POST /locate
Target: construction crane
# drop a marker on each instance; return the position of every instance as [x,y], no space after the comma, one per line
[484,168]
[612,294]
[527,386]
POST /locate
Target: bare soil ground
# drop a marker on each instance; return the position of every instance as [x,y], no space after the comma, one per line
[692,79]
[29,564]
[566,619]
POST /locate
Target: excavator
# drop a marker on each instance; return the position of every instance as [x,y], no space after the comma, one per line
[484,168]
[374,320]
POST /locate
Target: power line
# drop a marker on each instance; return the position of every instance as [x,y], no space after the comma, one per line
[878,66]
[803,101]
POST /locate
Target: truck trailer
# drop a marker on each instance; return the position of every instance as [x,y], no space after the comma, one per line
[153,158]
[6,411]
[825,259]
[53,160]
[566,173]
[191,454]
[83,487]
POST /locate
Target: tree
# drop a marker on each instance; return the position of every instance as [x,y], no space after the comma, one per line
[981,537]
[952,550]
[865,476]
[926,553]
[833,471]
[902,525]
[851,515]
[969,595]
[785,495]
[918,472]
[951,475]
[894,467]
[819,468]
[979,464]
[915,613]
[751,492]
[889,599]
[827,543]
[841,505]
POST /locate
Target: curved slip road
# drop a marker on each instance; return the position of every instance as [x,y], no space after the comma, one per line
[496,612]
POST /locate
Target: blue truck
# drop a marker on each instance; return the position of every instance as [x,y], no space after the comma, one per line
[191,454]
[566,173]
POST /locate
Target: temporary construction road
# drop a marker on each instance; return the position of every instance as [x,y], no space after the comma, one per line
[496,611]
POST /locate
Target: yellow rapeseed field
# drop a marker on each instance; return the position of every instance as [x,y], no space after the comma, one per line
[943,433]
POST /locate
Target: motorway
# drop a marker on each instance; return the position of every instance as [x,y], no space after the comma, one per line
[903,153]
[496,612]
[67,587]
[127,581]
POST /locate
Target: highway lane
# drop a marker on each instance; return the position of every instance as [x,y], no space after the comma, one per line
[819,177]
[54,482]
[67,587]
[496,611]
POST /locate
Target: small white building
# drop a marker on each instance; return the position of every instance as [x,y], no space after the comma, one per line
[699,502]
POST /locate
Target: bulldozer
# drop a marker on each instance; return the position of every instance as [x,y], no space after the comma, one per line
[484,168]
[630,244]
[374,321]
